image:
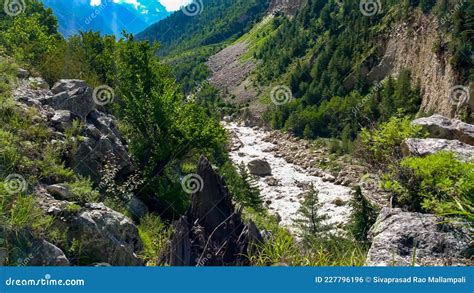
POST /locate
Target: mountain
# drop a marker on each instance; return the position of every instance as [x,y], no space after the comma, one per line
[205,23]
[107,17]
[189,37]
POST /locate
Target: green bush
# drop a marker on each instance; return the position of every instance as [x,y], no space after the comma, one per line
[154,234]
[381,146]
[437,183]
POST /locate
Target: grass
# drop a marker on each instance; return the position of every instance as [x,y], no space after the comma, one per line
[256,37]
[281,248]
[154,234]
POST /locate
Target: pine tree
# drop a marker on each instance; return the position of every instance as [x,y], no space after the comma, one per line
[363,215]
[250,190]
[311,222]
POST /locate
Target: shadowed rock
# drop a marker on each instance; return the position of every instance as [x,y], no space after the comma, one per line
[103,234]
[403,239]
[212,233]
[441,127]
[260,168]
[423,147]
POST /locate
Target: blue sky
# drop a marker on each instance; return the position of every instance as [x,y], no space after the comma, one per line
[171,5]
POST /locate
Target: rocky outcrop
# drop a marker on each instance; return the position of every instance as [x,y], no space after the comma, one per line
[70,100]
[403,238]
[212,233]
[259,167]
[441,127]
[103,143]
[105,236]
[78,101]
[102,234]
[288,7]
[423,147]
[410,45]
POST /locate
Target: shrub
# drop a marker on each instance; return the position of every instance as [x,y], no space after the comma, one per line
[437,183]
[154,234]
[381,146]
[82,190]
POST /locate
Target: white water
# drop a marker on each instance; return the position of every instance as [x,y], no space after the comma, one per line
[285,198]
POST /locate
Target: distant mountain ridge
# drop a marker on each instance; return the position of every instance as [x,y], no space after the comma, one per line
[108,18]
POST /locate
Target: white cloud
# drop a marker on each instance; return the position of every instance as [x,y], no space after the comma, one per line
[173,5]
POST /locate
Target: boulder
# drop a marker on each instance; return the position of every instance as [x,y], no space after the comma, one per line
[441,127]
[103,143]
[259,167]
[67,85]
[137,208]
[272,181]
[404,238]
[60,191]
[22,73]
[38,83]
[104,234]
[44,253]
[78,100]
[62,119]
[212,233]
[424,147]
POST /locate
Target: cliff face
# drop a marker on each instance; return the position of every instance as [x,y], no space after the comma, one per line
[288,7]
[410,46]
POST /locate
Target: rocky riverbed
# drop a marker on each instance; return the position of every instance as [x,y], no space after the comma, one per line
[284,190]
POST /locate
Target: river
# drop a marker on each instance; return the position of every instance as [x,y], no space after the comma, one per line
[285,194]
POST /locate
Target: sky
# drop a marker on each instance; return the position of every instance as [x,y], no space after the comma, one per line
[171,5]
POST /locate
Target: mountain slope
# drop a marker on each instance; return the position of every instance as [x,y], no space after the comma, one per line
[215,21]
[107,18]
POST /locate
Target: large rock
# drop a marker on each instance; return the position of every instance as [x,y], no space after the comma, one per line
[212,233]
[38,83]
[100,141]
[441,127]
[102,144]
[423,147]
[44,253]
[398,237]
[62,119]
[77,99]
[104,235]
[67,85]
[259,167]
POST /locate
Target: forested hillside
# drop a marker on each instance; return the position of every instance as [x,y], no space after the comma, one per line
[204,23]
[188,37]
[325,55]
